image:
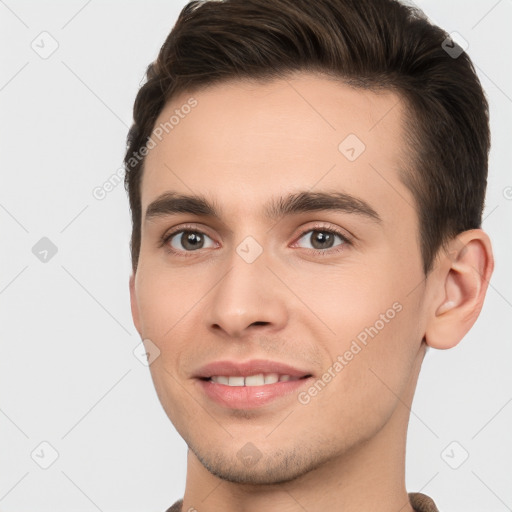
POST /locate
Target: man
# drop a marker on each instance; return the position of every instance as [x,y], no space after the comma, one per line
[306,181]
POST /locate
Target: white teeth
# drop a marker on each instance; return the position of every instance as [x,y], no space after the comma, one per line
[271,378]
[255,380]
[259,379]
[236,381]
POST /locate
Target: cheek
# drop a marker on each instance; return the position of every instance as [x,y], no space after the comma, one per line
[165,298]
[349,299]
[171,303]
[374,327]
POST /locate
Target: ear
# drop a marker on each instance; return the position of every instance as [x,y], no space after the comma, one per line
[134,305]
[461,276]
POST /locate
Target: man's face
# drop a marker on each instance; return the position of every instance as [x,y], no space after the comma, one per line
[309,288]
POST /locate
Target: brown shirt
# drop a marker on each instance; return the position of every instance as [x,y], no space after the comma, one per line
[419,502]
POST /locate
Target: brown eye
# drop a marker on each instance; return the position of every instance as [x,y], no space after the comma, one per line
[189,241]
[322,239]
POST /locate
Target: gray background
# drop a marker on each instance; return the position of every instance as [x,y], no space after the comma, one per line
[68,375]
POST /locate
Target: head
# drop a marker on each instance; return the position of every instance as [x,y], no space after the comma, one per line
[269,112]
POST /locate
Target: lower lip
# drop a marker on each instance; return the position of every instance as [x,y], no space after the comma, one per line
[249,397]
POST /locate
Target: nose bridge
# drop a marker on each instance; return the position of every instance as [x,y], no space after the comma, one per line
[246,293]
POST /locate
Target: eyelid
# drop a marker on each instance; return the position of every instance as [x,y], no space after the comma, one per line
[186,227]
[325,226]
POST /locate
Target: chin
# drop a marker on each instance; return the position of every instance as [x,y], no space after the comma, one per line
[278,468]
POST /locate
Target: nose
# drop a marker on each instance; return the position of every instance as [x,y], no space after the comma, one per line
[248,297]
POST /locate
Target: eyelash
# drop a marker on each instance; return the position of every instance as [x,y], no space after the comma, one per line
[318,252]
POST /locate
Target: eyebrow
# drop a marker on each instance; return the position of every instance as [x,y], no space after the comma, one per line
[172,203]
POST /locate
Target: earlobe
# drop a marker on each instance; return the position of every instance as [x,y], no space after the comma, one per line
[462,275]
[134,305]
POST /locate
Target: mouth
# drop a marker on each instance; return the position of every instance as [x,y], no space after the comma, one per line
[252,384]
[259,379]
[253,370]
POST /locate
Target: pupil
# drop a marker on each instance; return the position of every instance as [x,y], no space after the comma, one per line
[191,240]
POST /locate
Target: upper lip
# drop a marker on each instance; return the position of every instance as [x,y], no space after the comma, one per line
[246,368]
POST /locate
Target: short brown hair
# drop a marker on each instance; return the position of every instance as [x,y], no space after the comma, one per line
[372,44]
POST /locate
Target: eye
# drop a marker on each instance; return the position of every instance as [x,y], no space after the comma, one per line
[321,240]
[188,241]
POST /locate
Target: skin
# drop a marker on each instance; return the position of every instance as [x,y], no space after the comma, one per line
[241,145]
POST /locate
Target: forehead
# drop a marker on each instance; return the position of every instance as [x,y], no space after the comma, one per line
[247,141]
